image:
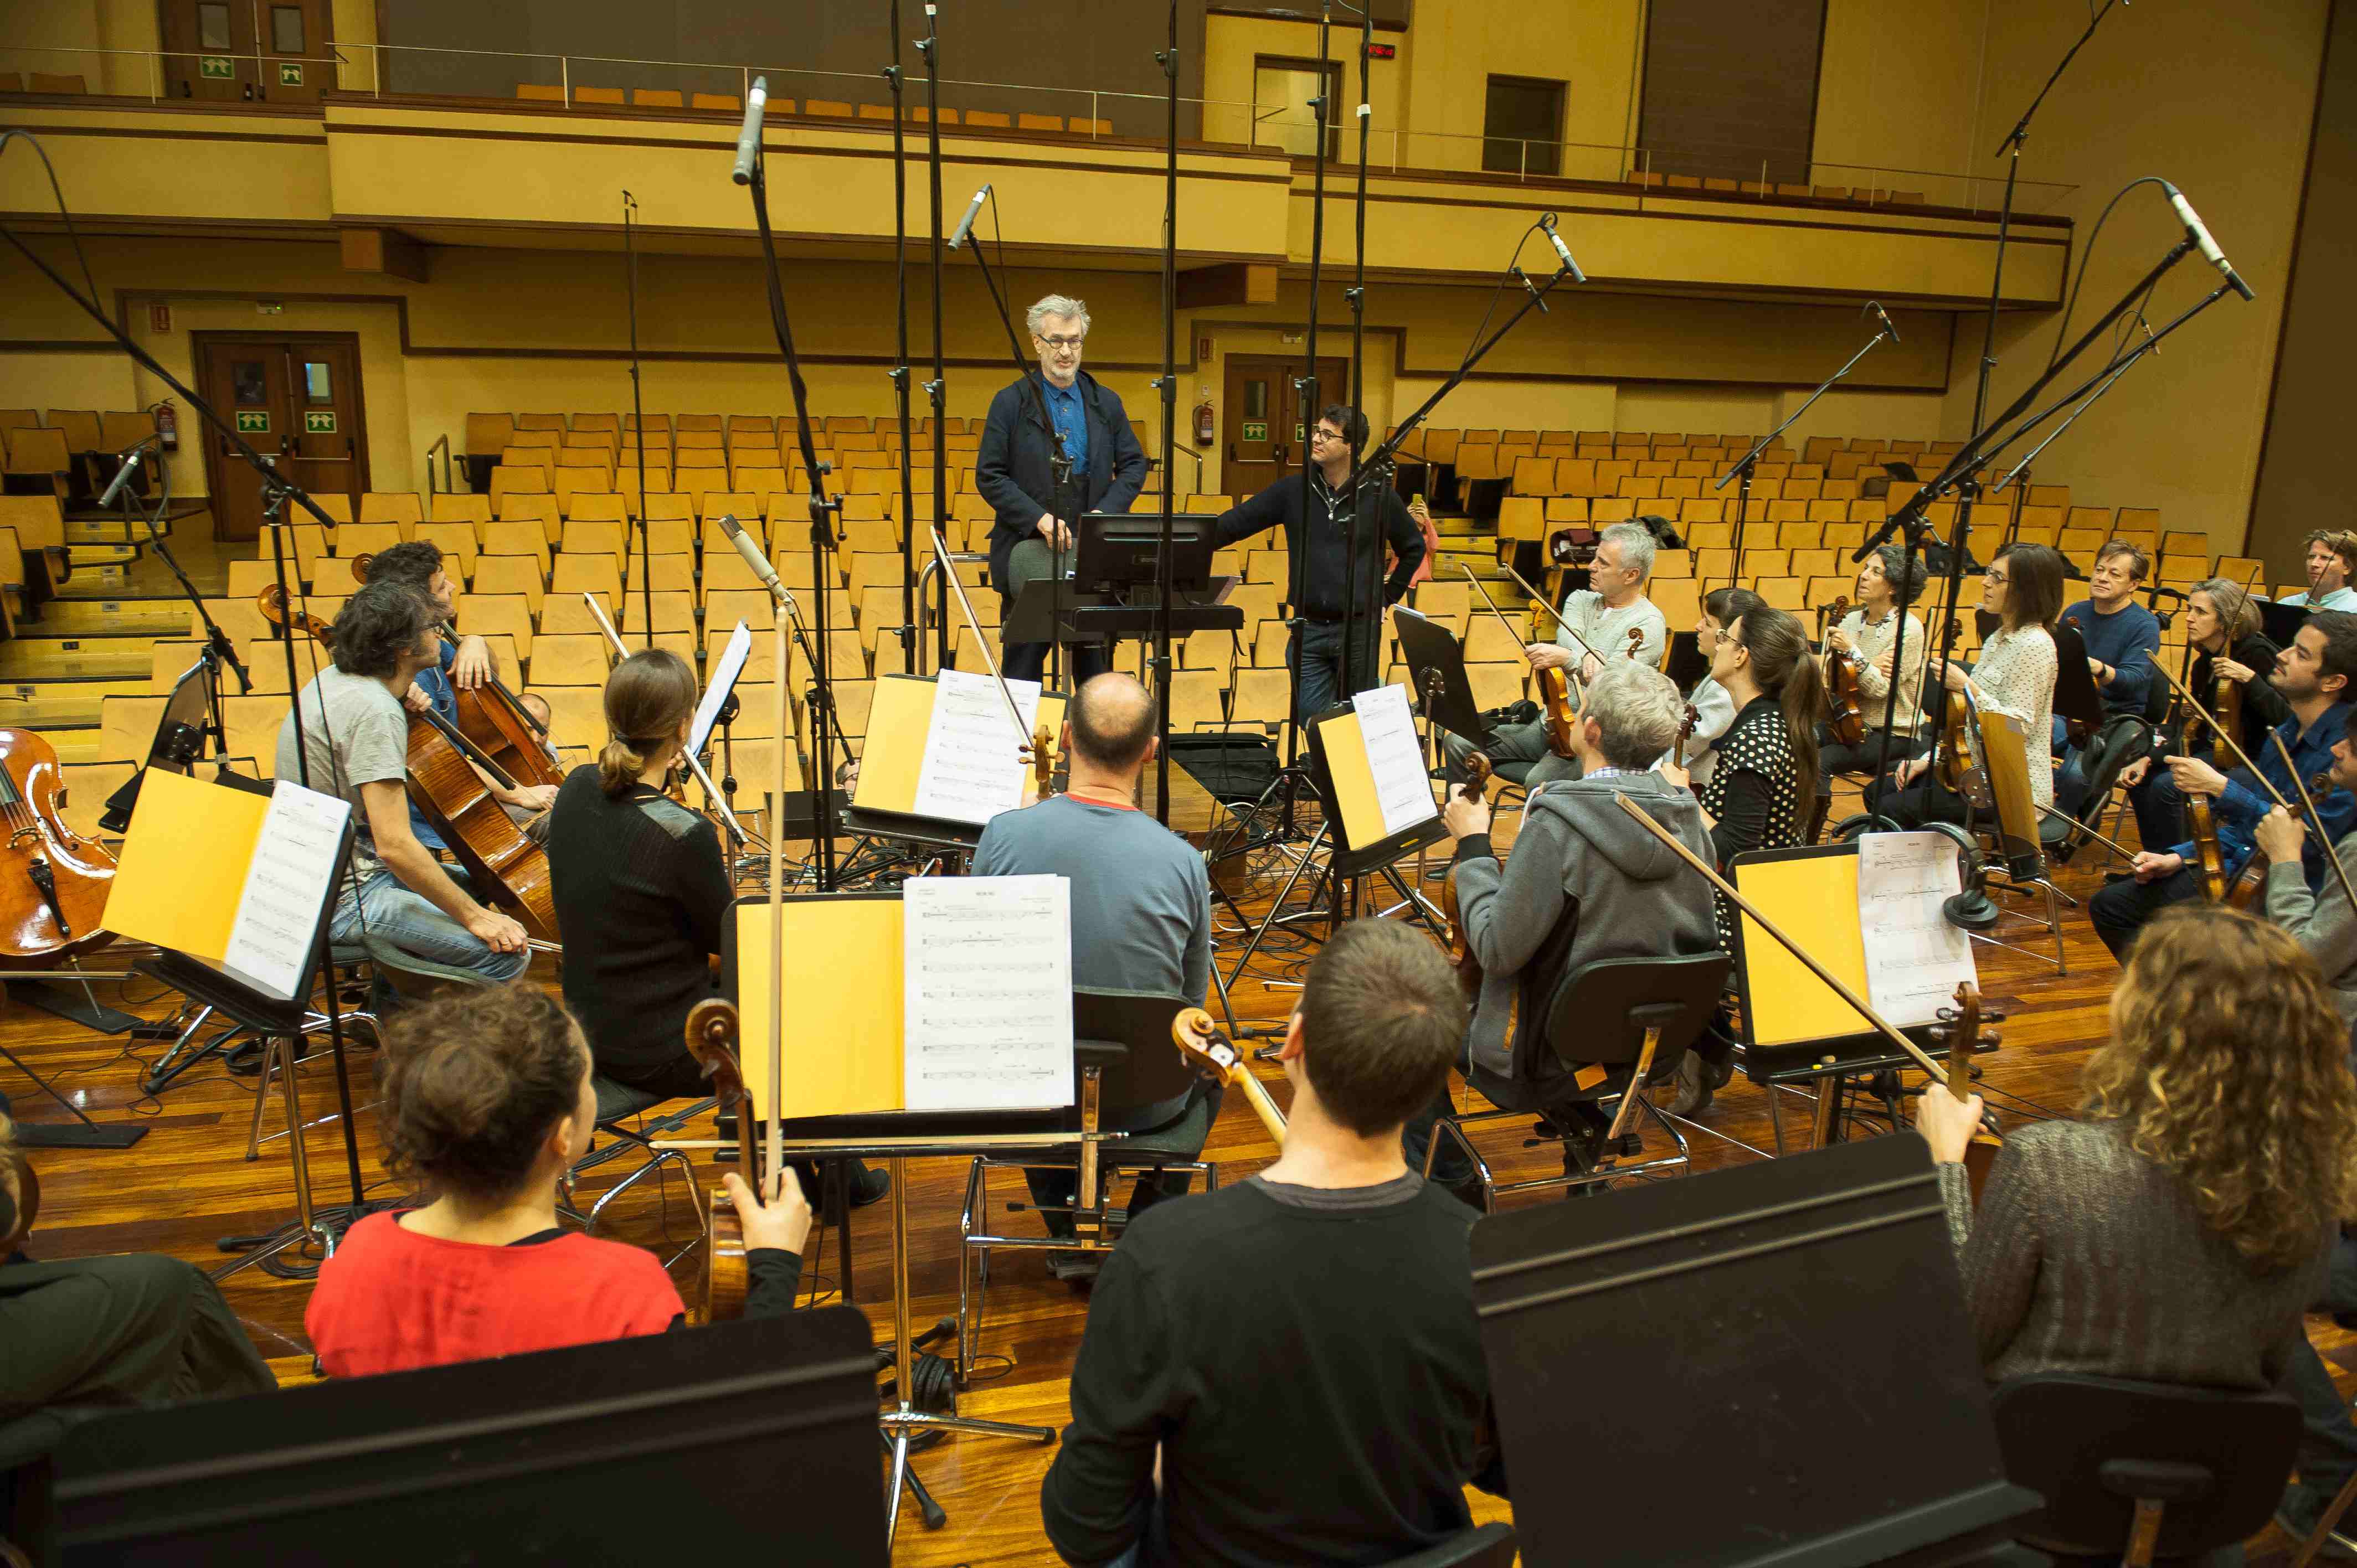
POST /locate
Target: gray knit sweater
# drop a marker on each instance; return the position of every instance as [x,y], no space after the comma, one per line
[2086,1257]
[1635,897]
[2320,923]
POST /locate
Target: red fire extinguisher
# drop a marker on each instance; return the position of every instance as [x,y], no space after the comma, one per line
[1204,421]
[167,426]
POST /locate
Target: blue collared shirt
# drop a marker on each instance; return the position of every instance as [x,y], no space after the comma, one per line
[2238,810]
[1071,417]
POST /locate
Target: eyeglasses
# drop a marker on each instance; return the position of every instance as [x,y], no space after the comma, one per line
[1994,575]
[1322,434]
[1061,345]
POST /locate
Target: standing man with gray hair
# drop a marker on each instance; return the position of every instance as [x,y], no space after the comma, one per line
[1015,470]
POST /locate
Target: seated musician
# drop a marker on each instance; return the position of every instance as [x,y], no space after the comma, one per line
[1874,632]
[1600,616]
[642,891]
[1714,708]
[1584,883]
[2178,1233]
[2332,563]
[85,1336]
[2313,675]
[487,1104]
[463,663]
[1323,533]
[2222,628]
[2119,636]
[2318,919]
[1288,1370]
[1141,904]
[354,739]
[2014,676]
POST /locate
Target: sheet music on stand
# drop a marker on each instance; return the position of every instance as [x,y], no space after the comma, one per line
[724,672]
[973,767]
[987,969]
[1395,757]
[1914,958]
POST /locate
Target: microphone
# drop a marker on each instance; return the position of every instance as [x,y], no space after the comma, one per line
[1536,297]
[1884,316]
[1547,222]
[132,457]
[749,140]
[965,224]
[751,550]
[2199,233]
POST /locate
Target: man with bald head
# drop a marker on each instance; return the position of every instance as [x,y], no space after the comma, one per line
[1141,902]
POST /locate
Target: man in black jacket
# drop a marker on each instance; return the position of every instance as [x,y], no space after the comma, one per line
[1014,469]
[1314,535]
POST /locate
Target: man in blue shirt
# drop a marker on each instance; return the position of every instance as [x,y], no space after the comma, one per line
[2314,676]
[1014,470]
[2331,559]
[2118,634]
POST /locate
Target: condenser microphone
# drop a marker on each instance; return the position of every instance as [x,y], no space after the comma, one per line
[132,459]
[749,140]
[751,550]
[1884,316]
[965,224]
[1548,223]
[2198,233]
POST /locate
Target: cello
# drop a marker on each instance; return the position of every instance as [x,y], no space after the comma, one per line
[57,881]
[489,715]
[712,1040]
[506,867]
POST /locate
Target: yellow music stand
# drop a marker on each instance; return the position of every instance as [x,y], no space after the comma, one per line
[884,801]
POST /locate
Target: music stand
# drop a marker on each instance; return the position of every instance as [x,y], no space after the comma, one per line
[1854,1418]
[1436,679]
[191,713]
[2279,621]
[2076,695]
[516,1459]
[1115,551]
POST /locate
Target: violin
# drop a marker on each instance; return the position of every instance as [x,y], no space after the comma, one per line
[1460,951]
[1844,708]
[712,1041]
[1685,735]
[1555,685]
[56,883]
[1960,1030]
[506,867]
[1636,640]
[1954,761]
[1215,1056]
[1043,763]
[490,716]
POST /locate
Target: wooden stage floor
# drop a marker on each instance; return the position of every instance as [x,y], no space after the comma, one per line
[189,1183]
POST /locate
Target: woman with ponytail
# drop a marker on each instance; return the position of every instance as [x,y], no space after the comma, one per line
[1760,794]
[642,889]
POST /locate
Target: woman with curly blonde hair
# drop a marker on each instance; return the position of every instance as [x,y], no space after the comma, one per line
[2178,1233]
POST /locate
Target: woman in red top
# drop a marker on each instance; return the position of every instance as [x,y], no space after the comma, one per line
[487,1101]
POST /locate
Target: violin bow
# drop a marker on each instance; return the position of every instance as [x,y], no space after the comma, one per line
[1541,600]
[2331,850]
[1488,602]
[1922,1059]
[982,643]
[2194,705]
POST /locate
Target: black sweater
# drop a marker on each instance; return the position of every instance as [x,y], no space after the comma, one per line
[1317,559]
[1308,1362]
[641,894]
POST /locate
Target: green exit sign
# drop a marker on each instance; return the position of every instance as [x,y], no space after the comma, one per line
[1256,430]
[253,422]
[219,68]
[319,422]
[289,75]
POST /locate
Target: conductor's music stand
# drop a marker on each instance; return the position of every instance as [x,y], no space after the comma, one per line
[1840,1388]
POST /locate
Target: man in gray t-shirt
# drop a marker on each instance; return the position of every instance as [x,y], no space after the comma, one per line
[1141,901]
[354,742]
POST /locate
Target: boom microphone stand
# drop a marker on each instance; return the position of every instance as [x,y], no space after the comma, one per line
[907,630]
[936,389]
[638,414]
[1168,386]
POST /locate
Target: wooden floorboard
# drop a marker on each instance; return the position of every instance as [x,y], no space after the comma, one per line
[189,1183]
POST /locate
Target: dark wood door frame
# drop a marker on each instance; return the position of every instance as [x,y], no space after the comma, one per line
[201,347]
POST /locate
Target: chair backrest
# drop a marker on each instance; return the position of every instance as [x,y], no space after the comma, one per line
[2092,1446]
[1601,1010]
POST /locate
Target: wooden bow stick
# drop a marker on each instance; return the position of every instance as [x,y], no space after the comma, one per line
[1882,1026]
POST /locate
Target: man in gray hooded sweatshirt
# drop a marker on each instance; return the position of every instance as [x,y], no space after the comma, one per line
[1585,881]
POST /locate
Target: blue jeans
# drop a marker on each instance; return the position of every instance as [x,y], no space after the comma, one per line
[384,907]
[1315,657]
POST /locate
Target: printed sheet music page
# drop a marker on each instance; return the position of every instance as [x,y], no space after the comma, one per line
[987,980]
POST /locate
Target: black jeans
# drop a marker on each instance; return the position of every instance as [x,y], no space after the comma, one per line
[1055,1188]
[1877,751]
[1084,661]
[2328,1440]
[2120,910]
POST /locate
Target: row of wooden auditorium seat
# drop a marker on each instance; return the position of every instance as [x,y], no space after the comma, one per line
[1873,196]
[817,108]
[45,446]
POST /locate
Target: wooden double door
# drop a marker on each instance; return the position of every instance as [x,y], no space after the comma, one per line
[295,398]
[253,50]
[1262,430]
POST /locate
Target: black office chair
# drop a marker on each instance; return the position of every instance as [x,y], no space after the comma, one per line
[1622,1024]
[617,1104]
[2146,1472]
[1483,1546]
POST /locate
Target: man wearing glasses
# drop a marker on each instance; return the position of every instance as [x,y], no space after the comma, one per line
[1317,521]
[1013,471]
